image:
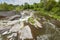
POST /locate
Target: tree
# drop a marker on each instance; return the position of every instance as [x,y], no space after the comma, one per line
[50,4]
[26,6]
[3,6]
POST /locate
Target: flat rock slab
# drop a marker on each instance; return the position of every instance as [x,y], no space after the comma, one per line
[26,33]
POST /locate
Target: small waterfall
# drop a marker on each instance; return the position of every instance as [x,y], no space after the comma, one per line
[25,15]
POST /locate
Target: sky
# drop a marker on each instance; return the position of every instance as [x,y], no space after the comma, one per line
[19,2]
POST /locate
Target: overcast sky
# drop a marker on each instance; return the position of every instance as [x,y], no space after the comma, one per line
[19,2]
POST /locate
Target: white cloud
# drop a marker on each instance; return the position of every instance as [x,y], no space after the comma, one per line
[15,2]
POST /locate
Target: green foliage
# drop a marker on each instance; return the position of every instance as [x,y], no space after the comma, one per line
[50,4]
[26,6]
[17,8]
[6,7]
[31,20]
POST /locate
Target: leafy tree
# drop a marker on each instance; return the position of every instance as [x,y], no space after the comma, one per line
[3,6]
[50,4]
[26,6]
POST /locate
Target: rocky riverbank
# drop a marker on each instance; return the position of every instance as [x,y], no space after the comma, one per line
[27,26]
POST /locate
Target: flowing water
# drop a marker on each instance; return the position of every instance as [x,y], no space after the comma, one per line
[20,27]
